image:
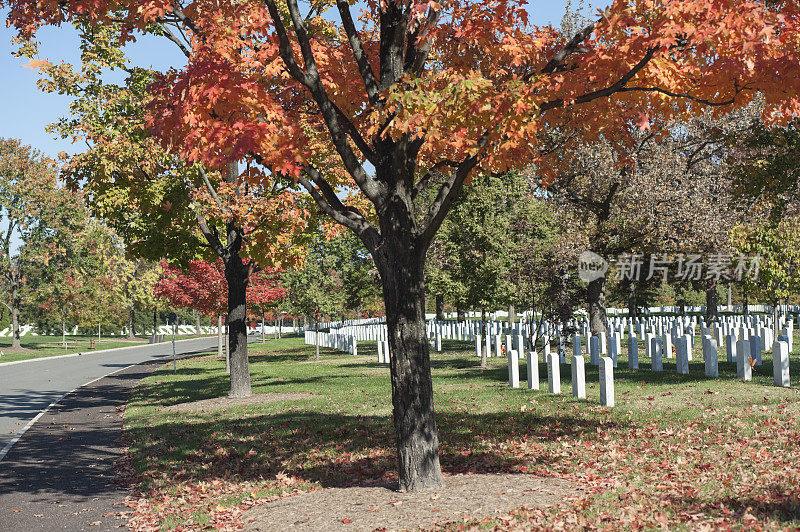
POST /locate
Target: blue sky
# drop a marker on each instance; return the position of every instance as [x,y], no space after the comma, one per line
[27,110]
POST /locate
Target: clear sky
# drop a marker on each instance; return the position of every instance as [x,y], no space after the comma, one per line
[27,110]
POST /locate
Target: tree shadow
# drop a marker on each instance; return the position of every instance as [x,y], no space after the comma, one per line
[337,450]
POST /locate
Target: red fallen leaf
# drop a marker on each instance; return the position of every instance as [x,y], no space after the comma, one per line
[708,392]
[346,521]
[666,393]
[14,509]
[651,398]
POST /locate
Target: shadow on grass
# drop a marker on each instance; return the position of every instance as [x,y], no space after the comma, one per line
[335,450]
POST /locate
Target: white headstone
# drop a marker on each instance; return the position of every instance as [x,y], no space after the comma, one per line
[606,381]
[730,348]
[755,348]
[578,378]
[656,362]
[533,370]
[614,348]
[553,374]
[594,350]
[743,369]
[633,352]
[780,363]
[710,357]
[513,368]
[682,351]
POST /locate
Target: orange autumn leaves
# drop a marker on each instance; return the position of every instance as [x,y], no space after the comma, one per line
[483,92]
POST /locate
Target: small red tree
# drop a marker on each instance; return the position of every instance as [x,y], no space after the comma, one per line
[202,287]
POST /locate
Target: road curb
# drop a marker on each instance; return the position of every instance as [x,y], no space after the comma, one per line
[92,352]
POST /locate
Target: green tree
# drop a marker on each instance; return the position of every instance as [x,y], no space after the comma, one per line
[38,217]
[315,290]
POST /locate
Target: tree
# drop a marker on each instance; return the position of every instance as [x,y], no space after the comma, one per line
[161,205]
[470,258]
[420,87]
[316,289]
[203,287]
[39,219]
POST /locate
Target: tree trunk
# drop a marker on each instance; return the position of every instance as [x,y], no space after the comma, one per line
[15,303]
[439,307]
[131,322]
[730,297]
[461,315]
[316,339]
[155,324]
[633,309]
[596,302]
[712,305]
[484,354]
[403,279]
[512,317]
[219,336]
[196,322]
[744,301]
[236,275]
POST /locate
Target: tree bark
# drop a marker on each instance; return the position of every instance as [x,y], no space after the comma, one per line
[403,279]
[712,304]
[596,301]
[745,308]
[155,325]
[460,314]
[196,322]
[219,336]
[15,304]
[131,322]
[439,307]
[633,308]
[316,339]
[484,354]
[730,297]
[236,274]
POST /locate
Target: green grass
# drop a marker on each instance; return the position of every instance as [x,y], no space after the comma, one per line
[48,346]
[677,451]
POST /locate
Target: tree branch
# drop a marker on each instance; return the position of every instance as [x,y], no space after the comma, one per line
[416,57]
[364,68]
[448,193]
[347,216]
[172,37]
[573,46]
[607,91]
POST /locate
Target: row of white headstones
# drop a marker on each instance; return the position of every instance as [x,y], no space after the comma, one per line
[745,352]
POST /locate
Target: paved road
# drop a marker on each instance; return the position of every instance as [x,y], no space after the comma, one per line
[63,473]
[28,388]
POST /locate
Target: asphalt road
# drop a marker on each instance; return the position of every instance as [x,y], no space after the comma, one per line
[27,388]
[64,473]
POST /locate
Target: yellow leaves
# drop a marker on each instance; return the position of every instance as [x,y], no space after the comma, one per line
[35,64]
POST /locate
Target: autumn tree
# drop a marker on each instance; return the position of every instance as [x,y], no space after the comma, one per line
[160,204]
[39,219]
[202,287]
[417,87]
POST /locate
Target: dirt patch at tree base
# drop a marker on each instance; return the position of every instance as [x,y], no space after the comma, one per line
[464,497]
[221,403]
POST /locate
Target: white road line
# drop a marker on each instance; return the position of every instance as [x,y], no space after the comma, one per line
[30,423]
[39,359]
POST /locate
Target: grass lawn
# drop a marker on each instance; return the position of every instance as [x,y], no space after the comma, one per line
[676,452]
[48,346]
